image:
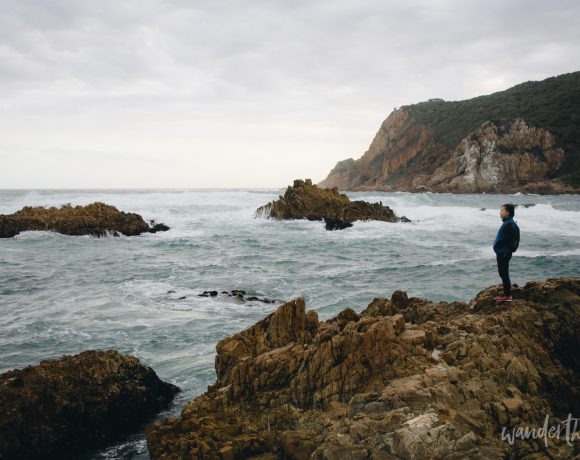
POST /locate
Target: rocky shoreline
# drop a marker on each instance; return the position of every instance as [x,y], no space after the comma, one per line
[96,219]
[63,407]
[303,200]
[405,378]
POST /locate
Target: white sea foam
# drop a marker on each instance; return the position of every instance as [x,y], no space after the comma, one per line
[567,253]
[141,294]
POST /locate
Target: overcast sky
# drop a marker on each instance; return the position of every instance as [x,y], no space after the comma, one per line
[245,93]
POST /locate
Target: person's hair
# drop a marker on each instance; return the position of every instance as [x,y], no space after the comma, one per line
[509,208]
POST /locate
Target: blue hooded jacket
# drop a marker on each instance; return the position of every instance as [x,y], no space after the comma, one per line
[502,242]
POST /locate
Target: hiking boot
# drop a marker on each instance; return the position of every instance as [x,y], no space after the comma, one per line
[504,298]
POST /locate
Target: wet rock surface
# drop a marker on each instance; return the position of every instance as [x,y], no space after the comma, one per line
[336,224]
[63,407]
[239,295]
[404,378]
[96,219]
[307,201]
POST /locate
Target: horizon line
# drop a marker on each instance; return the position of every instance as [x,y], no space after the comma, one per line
[134,188]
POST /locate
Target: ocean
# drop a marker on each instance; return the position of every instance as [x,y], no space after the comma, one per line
[62,295]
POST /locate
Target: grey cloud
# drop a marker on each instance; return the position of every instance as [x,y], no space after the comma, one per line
[336,65]
[243,49]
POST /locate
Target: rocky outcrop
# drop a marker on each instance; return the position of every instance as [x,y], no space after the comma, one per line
[405,378]
[97,219]
[290,323]
[307,201]
[502,157]
[507,158]
[62,407]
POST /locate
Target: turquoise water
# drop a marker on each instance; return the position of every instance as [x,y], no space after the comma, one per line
[62,295]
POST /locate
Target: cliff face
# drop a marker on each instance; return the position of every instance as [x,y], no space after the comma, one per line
[461,146]
[401,150]
[503,157]
[405,378]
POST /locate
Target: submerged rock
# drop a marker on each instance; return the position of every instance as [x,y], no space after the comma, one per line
[307,201]
[405,378]
[60,408]
[158,227]
[336,224]
[239,295]
[96,219]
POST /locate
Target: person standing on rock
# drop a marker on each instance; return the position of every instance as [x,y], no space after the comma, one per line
[503,247]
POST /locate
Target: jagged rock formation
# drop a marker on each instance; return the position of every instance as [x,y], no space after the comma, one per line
[523,139]
[307,201]
[405,378]
[62,407]
[97,219]
[508,158]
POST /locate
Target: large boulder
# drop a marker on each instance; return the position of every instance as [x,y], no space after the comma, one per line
[405,378]
[60,408]
[97,219]
[307,201]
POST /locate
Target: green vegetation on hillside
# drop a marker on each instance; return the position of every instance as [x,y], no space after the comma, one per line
[552,104]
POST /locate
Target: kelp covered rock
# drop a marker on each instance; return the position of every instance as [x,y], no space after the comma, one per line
[307,201]
[97,219]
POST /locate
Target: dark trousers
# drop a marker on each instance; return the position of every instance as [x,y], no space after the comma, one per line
[503,267]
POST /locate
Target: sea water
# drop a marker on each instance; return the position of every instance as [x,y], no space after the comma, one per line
[63,294]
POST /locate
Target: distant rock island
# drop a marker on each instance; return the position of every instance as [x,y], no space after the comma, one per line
[63,407]
[305,200]
[406,378]
[96,219]
[524,139]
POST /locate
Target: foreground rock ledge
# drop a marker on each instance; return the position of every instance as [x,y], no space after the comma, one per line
[405,378]
[62,407]
[307,201]
[97,219]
